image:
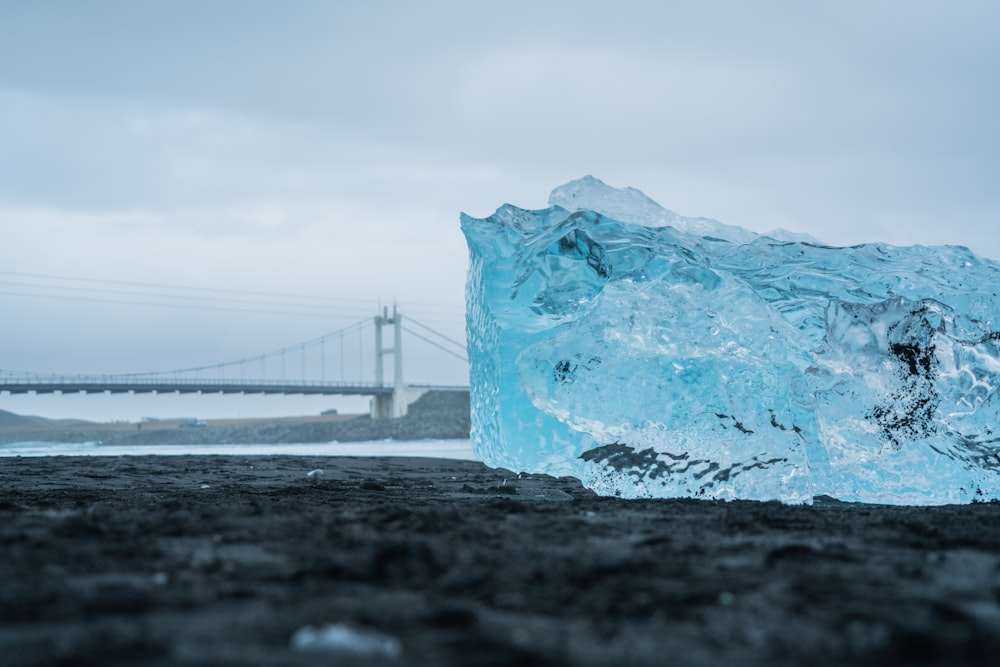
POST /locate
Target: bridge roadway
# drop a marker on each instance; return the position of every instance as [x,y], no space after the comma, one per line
[119,385]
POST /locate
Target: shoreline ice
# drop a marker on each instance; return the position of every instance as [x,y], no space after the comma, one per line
[654,355]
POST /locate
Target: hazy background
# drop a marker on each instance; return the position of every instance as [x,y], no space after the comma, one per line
[183,183]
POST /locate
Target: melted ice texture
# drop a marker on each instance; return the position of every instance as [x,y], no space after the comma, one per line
[653,355]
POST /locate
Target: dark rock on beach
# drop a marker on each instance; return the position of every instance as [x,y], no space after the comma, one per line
[230,560]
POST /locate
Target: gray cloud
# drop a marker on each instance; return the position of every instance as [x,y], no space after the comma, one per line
[327,148]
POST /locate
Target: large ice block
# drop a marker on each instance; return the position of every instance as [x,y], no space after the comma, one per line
[654,355]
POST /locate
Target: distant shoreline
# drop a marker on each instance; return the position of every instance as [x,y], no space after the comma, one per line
[436,415]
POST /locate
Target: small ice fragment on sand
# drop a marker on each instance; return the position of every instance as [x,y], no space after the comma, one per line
[205,486]
[315,474]
[340,638]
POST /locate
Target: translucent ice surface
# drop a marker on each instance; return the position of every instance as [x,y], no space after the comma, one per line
[654,355]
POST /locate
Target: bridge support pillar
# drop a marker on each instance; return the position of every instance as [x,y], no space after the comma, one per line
[385,406]
[396,404]
[382,406]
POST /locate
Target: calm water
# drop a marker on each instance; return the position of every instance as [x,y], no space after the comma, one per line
[447,449]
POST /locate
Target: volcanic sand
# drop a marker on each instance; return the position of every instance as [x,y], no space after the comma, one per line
[220,560]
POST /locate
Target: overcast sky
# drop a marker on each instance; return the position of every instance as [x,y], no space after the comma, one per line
[325,149]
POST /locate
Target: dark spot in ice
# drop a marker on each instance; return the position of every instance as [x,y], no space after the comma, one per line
[737,423]
[907,411]
[709,469]
[980,454]
[650,464]
[793,428]
[917,360]
[737,468]
[564,371]
[993,336]
[579,245]
[644,463]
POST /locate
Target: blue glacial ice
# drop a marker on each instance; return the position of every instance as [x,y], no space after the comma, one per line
[654,355]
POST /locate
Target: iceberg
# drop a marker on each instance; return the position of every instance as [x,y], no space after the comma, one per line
[655,355]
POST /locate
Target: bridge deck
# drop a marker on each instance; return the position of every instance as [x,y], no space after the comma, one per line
[182,386]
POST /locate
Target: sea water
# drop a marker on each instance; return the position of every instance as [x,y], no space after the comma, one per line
[445,449]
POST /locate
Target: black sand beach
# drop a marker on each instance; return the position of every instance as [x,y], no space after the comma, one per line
[222,560]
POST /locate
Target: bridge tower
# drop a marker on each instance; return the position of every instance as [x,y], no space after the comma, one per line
[395,404]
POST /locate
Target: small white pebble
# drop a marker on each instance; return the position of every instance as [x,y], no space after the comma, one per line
[340,638]
[315,474]
[521,636]
[205,486]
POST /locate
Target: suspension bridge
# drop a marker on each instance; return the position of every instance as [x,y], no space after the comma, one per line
[308,360]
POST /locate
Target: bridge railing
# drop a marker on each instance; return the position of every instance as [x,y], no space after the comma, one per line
[159,384]
[130,380]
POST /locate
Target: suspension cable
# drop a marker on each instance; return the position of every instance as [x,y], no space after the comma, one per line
[436,333]
[430,342]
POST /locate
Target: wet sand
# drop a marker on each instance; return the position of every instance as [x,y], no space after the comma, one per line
[221,560]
